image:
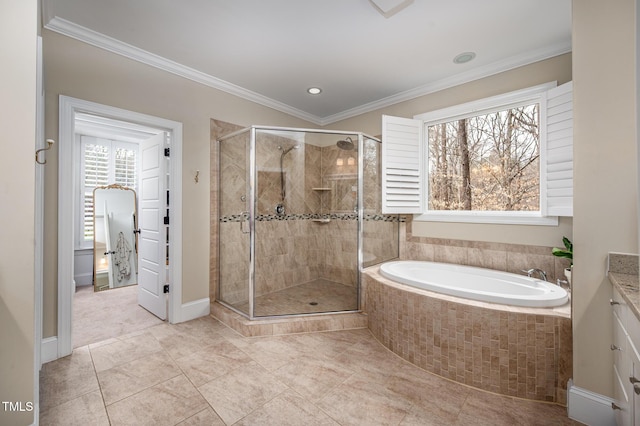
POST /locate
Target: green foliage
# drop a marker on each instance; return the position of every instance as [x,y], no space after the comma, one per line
[567,252]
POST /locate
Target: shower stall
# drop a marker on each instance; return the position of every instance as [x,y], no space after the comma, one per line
[299,216]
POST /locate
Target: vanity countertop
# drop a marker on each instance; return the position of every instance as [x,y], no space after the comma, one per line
[623,274]
[627,285]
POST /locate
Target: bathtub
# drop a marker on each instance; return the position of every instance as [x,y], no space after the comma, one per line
[480,284]
[519,351]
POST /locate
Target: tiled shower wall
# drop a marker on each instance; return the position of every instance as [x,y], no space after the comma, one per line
[317,238]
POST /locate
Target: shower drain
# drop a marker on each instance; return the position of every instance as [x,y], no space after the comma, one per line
[313,303]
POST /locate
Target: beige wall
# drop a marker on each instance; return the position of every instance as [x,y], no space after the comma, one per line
[605,174]
[554,69]
[18,31]
[81,71]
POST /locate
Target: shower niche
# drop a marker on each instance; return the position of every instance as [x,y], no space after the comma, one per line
[298,217]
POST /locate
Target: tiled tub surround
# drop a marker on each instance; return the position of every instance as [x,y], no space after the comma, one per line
[521,352]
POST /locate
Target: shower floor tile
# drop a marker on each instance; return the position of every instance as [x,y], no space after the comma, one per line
[312,297]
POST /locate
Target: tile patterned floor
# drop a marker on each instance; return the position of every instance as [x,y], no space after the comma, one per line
[203,373]
[98,316]
[312,297]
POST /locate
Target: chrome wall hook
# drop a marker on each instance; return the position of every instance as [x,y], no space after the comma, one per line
[50,143]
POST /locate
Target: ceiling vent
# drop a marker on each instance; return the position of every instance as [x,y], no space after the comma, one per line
[388,8]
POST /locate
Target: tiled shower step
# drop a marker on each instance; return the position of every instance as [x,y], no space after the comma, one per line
[290,325]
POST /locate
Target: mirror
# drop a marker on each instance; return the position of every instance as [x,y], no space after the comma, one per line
[115,237]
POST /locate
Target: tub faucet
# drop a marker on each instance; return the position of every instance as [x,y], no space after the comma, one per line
[532,271]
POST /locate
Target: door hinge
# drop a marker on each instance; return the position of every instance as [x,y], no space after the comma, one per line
[166,220]
[167,152]
[166,288]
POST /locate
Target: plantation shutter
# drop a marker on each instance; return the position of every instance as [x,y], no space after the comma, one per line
[557,164]
[125,167]
[103,163]
[403,189]
[95,153]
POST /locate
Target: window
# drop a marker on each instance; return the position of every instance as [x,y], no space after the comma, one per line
[505,159]
[103,162]
[485,162]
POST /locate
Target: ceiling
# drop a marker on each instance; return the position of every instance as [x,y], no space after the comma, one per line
[272,51]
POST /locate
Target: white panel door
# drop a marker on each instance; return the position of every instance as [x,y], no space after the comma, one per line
[151,249]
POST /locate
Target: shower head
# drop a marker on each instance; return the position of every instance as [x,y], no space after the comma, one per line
[346,144]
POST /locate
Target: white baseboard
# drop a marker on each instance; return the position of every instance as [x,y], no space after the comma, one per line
[36,414]
[196,309]
[83,279]
[588,407]
[49,349]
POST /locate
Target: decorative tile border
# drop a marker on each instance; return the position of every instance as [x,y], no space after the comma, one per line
[312,216]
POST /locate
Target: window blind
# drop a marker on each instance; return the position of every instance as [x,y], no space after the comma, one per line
[103,162]
[95,159]
[402,165]
[557,166]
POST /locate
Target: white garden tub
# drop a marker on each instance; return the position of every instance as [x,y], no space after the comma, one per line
[469,282]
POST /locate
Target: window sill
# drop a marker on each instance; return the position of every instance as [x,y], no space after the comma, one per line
[498,218]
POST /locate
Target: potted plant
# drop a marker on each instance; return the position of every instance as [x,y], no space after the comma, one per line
[566,252]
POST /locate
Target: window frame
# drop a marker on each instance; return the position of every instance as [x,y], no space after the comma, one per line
[528,96]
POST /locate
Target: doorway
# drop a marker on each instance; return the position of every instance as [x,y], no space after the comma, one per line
[167,178]
[107,229]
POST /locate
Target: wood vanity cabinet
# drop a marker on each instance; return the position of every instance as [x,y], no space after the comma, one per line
[626,362]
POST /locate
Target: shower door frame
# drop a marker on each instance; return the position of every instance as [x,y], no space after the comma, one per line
[251,175]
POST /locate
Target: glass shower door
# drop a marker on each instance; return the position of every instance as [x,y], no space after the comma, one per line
[234,236]
[380,232]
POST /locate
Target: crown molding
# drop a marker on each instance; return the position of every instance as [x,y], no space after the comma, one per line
[67,28]
[455,80]
[94,38]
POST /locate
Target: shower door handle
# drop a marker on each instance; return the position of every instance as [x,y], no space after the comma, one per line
[242,222]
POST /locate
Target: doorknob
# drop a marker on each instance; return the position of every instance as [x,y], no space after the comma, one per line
[137,231]
[615,348]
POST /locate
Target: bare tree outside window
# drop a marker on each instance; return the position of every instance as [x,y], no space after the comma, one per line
[488,162]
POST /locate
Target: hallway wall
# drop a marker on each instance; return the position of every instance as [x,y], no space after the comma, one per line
[18,41]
